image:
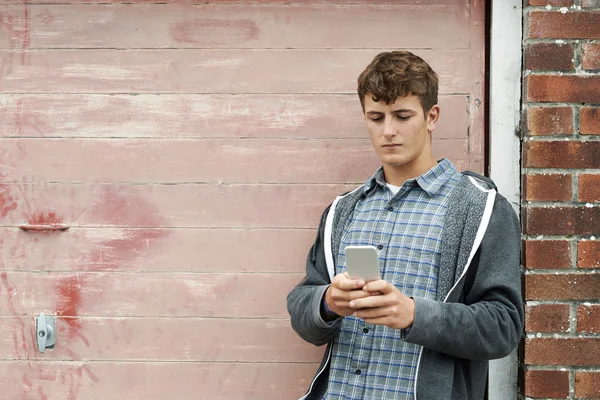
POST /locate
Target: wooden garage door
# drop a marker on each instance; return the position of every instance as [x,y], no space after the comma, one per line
[190,150]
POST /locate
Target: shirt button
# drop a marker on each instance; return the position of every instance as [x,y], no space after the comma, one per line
[358,372]
[390,208]
[380,246]
[366,330]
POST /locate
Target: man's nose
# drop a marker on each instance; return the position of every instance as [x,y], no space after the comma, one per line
[388,127]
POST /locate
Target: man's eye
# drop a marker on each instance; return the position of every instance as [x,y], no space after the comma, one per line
[403,118]
[377,119]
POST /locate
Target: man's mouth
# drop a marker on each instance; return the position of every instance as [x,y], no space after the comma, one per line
[392,145]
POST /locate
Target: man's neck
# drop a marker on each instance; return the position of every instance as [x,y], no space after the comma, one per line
[397,176]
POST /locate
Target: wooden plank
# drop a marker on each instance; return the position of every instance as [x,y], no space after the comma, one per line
[255,2]
[177,250]
[125,294]
[154,381]
[152,339]
[190,160]
[237,26]
[256,206]
[202,116]
[206,71]
[205,160]
[478,109]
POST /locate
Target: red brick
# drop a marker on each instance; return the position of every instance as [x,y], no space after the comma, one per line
[547,318]
[572,351]
[550,121]
[590,56]
[562,287]
[561,154]
[563,88]
[548,187]
[562,220]
[589,187]
[591,3]
[590,121]
[551,2]
[587,385]
[588,319]
[549,57]
[571,25]
[547,254]
[540,384]
[588,254]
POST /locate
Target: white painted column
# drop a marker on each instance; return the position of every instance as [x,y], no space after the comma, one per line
[505,150]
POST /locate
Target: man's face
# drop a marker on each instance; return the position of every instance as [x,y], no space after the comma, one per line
[399,131]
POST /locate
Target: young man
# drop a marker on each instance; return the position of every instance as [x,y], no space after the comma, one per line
[449,253]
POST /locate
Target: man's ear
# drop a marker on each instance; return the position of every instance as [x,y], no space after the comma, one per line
[433,116]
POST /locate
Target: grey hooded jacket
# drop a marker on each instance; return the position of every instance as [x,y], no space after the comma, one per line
[477,315]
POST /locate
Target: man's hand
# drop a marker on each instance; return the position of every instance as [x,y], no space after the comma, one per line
[342,291]
[391,308]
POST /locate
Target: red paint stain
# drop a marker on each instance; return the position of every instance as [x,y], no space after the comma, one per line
[41,393]
[15,25]
[69,300]
[7,202]
[121,207]
[10,293]
[214,32]
[119,253]
[44,218]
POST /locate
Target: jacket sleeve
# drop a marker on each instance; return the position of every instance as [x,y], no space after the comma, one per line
[304,301]
[489,324]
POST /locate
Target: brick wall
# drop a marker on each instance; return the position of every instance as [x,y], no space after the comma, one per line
[561,194]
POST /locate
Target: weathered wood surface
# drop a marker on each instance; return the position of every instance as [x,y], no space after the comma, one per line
[124,294]
[318,116]
[180,250]
[159,205]
[154,381]
[235,26]
[191,149]
[421,3]
[206,70]
[212,161]
[160,339]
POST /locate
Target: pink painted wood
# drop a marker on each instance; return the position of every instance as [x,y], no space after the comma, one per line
[229,161]
[154,381]
[151,339]
[206,70]
[135,294]
[253,2]
[318,116]
[191,150]
[166,250]
[160,205]
[239,26]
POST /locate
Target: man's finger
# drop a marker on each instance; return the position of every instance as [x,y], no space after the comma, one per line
[350,284]
[371,313]
[370,302]
[379,286]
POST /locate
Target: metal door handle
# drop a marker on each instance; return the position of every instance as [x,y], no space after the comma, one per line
[44,327]
[44,227]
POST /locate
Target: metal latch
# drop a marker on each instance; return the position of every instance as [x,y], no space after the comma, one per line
[44,327]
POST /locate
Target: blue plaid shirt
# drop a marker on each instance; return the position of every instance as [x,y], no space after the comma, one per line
[372,361]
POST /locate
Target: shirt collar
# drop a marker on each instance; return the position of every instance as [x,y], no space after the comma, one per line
[431,181]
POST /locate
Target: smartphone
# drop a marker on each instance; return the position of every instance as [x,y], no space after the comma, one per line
[362,263]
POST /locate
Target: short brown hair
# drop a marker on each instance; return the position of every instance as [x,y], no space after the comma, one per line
[397,74]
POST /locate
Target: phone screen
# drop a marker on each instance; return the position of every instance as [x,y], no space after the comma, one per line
[362,263]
